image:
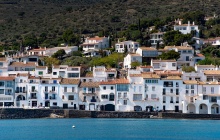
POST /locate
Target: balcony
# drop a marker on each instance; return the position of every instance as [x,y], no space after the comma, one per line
[33,90]
[50,98]
[89,93]
[171,101]
[152,99]
[52,91]
[33,97]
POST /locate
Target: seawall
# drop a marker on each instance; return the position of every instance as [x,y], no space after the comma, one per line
[15,113]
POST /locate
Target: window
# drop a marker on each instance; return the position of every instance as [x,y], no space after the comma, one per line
[65,89]
[122,87]
[187,86]
[187,91]
[177,91]
[203,89]
[148,81]
[140,88]
[46,88]
[62,96]
[55,103]
[125,95]
[104,88]
[212,90]
[54,81]
[192,91]
[168,84]
[1,64]
[54,73]
[154,81]
[71,103]
[71,97]
[125,102]
[171,90]
[119,95]
[73,75]
[53,88]
[177,84]
[21,81]
[2,84]
[1,91]
[73,89]
[33,88]
[104,96]
[137,97]
[177,99]
[112,87]
[153,88]
[40,72]
[134,88]
[192,86]
[153,96]
[111,97]
[173,64]
[164,99]
[192,28]
[171,99]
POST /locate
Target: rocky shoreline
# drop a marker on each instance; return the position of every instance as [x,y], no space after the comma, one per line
[17,113]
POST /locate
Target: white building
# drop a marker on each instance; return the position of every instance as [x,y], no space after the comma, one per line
[156,38]
[96,42]
[130,45]
[132,58]
[187,28]
[164,64]
[67,49]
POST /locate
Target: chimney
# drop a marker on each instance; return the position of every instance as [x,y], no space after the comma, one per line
[25,62]
[45,48]
[188,23]
[193,23]
[180,22]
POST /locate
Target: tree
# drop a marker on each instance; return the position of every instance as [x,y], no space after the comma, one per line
[169,55]
[70,38]
[188,68]
[135,64]
[49,61]
[59,54]
[175,38]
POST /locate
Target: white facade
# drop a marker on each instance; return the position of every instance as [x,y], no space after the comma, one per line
[67,49]
[164,64]
[130,45]
[132,58]
[96,42]
[156,38]
[187,28]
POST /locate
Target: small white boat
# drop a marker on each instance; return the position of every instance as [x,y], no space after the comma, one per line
[73,126]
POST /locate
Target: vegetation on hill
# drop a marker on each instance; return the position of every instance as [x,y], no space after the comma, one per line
[170,55]
[49,23]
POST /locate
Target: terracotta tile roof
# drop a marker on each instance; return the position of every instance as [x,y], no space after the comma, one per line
[172,73]
[121,81]
[212,66]
[111,70]
[90,84]
[150,76]
[89,75]
[163,60]
[208,83]
[173,78]
[191,82]
[108,83]
[146,66]
[33,77]
[186,25]
[22,64]
[96,38]
[41,67]
[135,75]
[35,50]
[200,55]
[70,81]
[148,48]
[178,47]
[3,59]
[134,54]
[211,72]
[4,78]
[23,74]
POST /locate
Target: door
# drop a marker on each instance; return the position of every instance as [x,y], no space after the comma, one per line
[164,108]
[74,107]
[34,103]
[47,104]
[65,106]
[176,108]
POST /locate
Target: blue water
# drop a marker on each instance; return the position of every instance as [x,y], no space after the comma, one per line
[108,129]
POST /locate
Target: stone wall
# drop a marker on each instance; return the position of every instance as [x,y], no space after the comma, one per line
[188,116]
[109,114]
[12,113]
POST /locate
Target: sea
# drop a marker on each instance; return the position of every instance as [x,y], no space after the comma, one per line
[109,129]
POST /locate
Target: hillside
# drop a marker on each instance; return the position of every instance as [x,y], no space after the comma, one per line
[52,17]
